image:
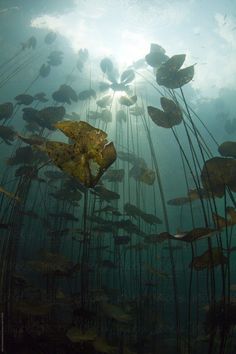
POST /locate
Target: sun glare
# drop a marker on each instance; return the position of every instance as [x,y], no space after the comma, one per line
[126,46]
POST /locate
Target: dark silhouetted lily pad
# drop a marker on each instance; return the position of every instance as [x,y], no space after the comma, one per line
[104,101]
[55,58]
[156,56]
[86,95]
[24,99]
[106,65]
[171,116]
[128,101]
[217,174]
[170,76]
[228,149]
[50,37]
[65,94]
[127,76]
[44,71]
[6,110]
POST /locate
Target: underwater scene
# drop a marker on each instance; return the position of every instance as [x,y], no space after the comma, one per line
[117,177]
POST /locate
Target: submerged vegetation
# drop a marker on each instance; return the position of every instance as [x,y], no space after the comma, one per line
[100,251]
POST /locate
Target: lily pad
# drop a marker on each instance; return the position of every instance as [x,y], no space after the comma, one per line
[170,76]
[76,335]
[88,158]
[128,101]
[171,116]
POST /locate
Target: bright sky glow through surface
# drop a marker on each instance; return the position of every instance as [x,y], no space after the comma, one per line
[124,29]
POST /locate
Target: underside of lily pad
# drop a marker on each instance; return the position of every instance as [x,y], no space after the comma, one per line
[88,158]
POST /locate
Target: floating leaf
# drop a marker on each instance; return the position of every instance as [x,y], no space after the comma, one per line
[136,111]
[228,149]
[7,134]
[55,58]
[30,43]
[100,345]
[105,193]
[106,65]
[116,312]
[50,37]
[88,158]
[6,110]
[41,97]
[128,101]
[115,175]
[121,116]
[104,101]
[127,76]
[217,173]
[210,258]
[178,201]
[106,115]
[32,308]
[156,56]
[44,71]
[83,54]
[174,63]
[155,59]
[219,221]
[24,99]
[76,335]
[32,140]
[65,94]
[231,212]
[158,238]
[86,95]
[198,193]
[170,76]
[52,263]
[78,130]
[142,173]
[168,118]
[48,116]
[151,219]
